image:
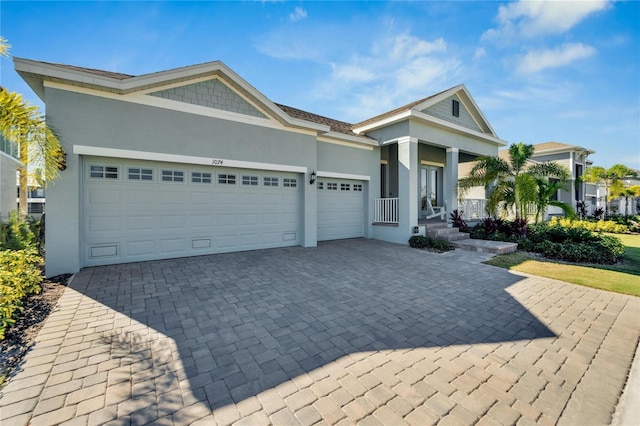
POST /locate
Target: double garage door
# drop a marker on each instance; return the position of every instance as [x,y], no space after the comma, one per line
[136,211]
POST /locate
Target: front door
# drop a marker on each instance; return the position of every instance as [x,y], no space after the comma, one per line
[430,189]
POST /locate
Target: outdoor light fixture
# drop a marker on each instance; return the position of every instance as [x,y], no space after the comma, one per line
[312,179]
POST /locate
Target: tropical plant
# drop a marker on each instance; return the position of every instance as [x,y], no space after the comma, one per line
[24,125]
[545,191]
[608,177]
[513,183]
[618,190]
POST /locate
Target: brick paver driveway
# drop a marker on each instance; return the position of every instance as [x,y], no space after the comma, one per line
[353,331]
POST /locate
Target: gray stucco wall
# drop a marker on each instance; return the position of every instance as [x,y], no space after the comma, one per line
[8,194]
[100,122]
[444,111]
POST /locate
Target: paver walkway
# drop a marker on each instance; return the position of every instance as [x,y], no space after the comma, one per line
[355,331]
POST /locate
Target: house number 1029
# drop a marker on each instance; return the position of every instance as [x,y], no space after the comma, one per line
[216,162]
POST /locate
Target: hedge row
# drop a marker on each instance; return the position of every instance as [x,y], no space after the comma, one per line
[20,276]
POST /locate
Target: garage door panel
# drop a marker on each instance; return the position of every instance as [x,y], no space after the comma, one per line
[126,220]
[138,248]
[340,211]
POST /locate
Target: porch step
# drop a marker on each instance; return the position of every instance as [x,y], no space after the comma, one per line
[442,231]
[484,246]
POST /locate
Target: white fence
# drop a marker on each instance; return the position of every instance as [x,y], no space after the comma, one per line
[385,210]
[472,209]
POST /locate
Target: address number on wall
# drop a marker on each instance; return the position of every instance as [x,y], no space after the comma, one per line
[216,162]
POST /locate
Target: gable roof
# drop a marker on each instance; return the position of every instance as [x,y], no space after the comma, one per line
[414,109]
[335,125]
[554,147]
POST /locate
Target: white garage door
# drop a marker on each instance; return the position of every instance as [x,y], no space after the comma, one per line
[340,209]
[134,211]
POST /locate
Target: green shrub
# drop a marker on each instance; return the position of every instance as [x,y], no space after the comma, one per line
[434,244]
[18,232]
[572,244]
[19,276]
[591,225]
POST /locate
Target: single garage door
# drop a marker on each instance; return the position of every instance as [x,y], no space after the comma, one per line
[134,211]
[340,209]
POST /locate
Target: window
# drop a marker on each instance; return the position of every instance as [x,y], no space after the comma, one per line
[320,185]
[455,108]
[270,181]
[172,176]
[136,173]
[357,187]
[250,180]
[332,186]
[103,172]
[345,187]
[200,177]
[289,183]
[226,179]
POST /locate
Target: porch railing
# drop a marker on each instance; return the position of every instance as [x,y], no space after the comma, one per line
[385,210]
[473,209]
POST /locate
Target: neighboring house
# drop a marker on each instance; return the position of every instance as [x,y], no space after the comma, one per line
[195,161]
[630,205]
[575,159]
[9,165]
[35,198]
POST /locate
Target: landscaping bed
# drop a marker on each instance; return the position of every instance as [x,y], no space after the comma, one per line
[21,336]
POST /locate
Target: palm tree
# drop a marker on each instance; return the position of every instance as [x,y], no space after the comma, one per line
[514,182]
[608,177]
[23,125]
[546,190]
[618,190]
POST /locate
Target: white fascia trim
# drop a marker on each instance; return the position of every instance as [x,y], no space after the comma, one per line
[19,163]
[154,101]
[349,138]
[385,122]
[185,159]
[342,176]
[457,128]
[343,143]
[562,150]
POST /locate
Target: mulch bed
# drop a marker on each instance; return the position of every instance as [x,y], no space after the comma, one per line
[21,336]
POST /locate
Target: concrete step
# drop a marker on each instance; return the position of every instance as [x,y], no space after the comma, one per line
[484,246]
[441,232]
[454,237]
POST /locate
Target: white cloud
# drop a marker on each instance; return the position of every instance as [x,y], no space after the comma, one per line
[297,14]
[528,19]
[480,52]
[538,60]
[397,69]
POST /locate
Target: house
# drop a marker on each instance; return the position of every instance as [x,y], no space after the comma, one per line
[35,197]
[629,205]
[575,159]
[195,160]
[9,165]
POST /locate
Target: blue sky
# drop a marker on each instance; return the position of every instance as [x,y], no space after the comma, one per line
[540,71]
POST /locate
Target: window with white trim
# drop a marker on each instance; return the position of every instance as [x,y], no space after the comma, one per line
[270,181]
[226,179]
[139,173]
[172,176]
[332,186]
[103,172]
[357,187]
[248,180]
[289,182]
[200,177]
[345,187]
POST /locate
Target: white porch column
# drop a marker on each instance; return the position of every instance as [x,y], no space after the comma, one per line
[408,173]
[451,181]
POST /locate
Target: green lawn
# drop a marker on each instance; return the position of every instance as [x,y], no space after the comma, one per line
[620,278]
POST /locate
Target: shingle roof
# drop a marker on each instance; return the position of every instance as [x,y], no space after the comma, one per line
[110,74]
[549,146]
[335,125]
